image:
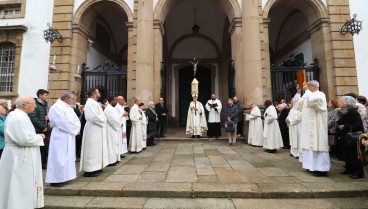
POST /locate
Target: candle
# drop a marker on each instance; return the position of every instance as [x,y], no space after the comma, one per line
[78,70]
[54,60]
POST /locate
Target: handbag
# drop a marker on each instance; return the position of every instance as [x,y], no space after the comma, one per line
[229,126]
[352,137]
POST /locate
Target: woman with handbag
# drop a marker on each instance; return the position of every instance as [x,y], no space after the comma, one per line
[350,126]
[332,118]
[231,113]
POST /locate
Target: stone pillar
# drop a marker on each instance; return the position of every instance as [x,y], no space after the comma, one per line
[157,59]
[266,66]
[131,70]
[251,47]
[144,64]
[236,53]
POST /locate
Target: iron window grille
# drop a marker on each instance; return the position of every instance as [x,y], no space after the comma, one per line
[7,61]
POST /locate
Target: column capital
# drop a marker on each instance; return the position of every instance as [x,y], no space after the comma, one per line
[236,22]
[322,22]
[157,24]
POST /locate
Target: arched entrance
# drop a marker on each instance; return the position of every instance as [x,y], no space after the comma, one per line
[212,43]
[100,40]
[299,29]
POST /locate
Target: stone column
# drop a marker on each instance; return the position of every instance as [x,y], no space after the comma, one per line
[157,58]
[236,53]
[144,64]
[251,47]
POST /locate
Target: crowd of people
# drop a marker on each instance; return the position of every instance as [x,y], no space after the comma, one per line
[34,136]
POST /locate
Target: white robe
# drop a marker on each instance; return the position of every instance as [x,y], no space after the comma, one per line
[294,118]
[113,127]
[94,154]
[196,121]
[144,130]
[314,132]
[271,132]
[122,131]
[136,139]
[255,133]
[20,165]
[213,115]
[61,160]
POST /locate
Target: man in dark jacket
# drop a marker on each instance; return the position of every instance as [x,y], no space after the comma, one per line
[39,120]
[161,111]
[239,129]
[231,113]
[152,123]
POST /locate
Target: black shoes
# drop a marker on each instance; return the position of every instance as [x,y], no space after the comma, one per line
[345,172]
[91,174]
[319,173]
[354,176]
[112,164]
[57,184]
[272,151]
[122,156]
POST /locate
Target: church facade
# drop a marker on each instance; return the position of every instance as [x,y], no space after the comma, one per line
[142,48]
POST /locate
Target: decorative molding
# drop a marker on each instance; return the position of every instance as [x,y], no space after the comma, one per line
[157,24]
[236,22]
[322,22]
[20,28]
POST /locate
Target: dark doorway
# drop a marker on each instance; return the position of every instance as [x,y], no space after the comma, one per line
[185,97]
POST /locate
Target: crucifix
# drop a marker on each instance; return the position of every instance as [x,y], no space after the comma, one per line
[195,83]
[194,62]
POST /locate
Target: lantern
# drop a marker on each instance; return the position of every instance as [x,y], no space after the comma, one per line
[195,87]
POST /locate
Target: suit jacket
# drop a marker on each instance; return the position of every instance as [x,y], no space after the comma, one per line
[151,120]
[160,110]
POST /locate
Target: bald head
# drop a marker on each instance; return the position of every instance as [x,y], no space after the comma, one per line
[25,103]
[120,100]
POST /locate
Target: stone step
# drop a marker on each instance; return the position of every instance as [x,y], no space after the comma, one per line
[81,202]
[212,190]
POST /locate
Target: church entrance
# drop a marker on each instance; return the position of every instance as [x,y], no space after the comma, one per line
[185,97]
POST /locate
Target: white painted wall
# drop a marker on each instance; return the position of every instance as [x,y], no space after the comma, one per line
[95,58]
[35,54]
[305,48]
[359,7]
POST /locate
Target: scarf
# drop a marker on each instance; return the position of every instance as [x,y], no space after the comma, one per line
[153,110]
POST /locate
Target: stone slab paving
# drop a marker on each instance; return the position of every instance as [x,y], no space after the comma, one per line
[78,202]
[212,169]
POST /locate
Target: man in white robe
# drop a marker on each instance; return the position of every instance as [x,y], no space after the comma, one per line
[314,132]
[294,122]
[271,132]
[113,127]
[66,125]
[136,138]
[196,121]
[213,106]
[255,133]
[94,156]
[144,127]
[20,165]
[120,107]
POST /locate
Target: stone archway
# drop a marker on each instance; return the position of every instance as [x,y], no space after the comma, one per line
[317,32]
[88,12]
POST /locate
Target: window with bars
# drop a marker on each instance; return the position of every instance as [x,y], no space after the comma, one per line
[7,61]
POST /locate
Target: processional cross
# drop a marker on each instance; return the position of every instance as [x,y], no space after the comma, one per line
[194,62]
[195,83]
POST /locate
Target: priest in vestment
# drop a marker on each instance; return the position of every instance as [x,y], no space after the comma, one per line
[144,127]
[94,156]
[20,165]
[66,125]
[114,124]
[123,115]
[314,132]
[213,106]
[255,133]
[136,138]
[294,121]
[271,132]
[196,121]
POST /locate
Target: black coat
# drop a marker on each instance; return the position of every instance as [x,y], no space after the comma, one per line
[38,116]
[160,110]
[151,120]
[232,112]
[352,122]
[283,127]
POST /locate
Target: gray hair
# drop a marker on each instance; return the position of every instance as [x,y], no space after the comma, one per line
[136,99]
[150,103]
[251,103]
[67,94]
[2,100]
[21,100]
[314,83]
[349,101]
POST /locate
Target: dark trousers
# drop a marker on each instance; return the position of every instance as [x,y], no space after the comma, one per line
[354,168]
[161,127]
[1,152]
[78,144]
[214,130]
[128,129]
[239,129]
[44,152]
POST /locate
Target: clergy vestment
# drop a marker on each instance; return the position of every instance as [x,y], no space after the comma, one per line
[20,165]
[196,121]
[144,130]
[123,129]
[214,126]
[255,134]
[61,161]
[94,155]
[294,118]
[113,127]
[136,138]
[314,132]
[271,133]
